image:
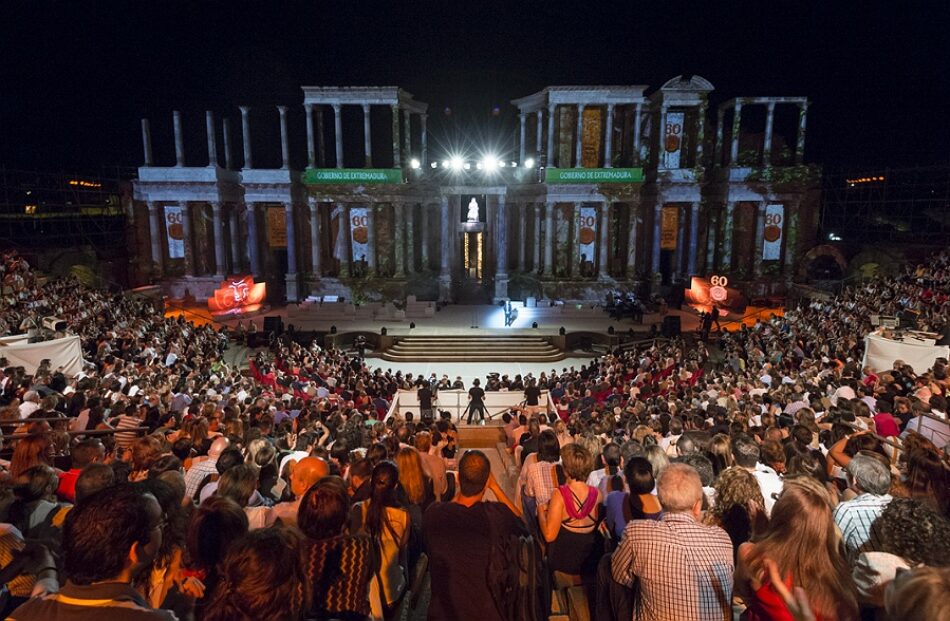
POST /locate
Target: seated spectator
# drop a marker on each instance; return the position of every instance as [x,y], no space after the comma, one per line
[802,542]
[683,568]
[611,461]
[214,526]
[871,480]
[338,566]
[638,503]
[387,525]
[262,577]
[467,528]
[910,534]
[304,474]
[94,478]
[739,508]
[569,521]
[746,453]
[919,595]
[240,484]
[108,540]
[205,468]
[85,453]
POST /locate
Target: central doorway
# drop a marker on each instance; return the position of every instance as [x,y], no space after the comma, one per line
[472,245]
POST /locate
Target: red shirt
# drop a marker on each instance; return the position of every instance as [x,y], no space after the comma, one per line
[67,485]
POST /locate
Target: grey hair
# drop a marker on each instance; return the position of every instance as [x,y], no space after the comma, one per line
[871,475]
[679,488]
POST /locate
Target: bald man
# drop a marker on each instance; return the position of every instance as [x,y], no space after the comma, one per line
[303,474]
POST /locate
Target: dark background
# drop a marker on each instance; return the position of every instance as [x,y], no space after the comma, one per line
[76,77]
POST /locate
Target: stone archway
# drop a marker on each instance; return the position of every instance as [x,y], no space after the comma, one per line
[827,259]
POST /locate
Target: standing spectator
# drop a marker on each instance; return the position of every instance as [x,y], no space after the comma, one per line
[467,528]
[684,567]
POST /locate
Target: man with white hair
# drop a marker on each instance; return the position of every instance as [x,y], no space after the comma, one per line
[684,567]
[31,403]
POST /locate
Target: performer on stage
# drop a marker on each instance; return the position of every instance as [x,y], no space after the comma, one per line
[476,401]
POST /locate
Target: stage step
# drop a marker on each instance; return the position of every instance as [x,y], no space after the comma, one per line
[472,348]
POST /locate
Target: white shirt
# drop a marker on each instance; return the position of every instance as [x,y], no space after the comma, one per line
[770,483]
[28,407]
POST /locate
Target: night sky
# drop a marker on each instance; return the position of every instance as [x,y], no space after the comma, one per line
[76,77]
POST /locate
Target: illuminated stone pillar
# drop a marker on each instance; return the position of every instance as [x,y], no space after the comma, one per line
[609,138]
[346,257]
[522,222]
[632,239]
[550,238]
[501,241]
[187,238]
[367,138]
[538,240]
[661,136]
[800,139]
[371,239]
[397,160]
[719,130]
[212,143]
[246,136]
[445,276]
[235,240]
[540,135]
[638,111]
[424,239]
[736,128]
[293,284]
[338,134]
[399,239]
[284,138]
[521,145]
[315,267]
[549,156]
[311,147]
[602,267]
[424,157]
[579,138]
[759,239]
[147,142]
[155,237]
[407,136]
[219,255]
[226,134]
[410,245]
[728,225]
[680,240]
[321,138]
[657,219]
[712,234]
[767,146]
[575,246]
[693,239]
[179,139]
[700,133]
[253,244]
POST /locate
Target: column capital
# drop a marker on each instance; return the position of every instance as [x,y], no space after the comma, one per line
[336,106]
[365,107]
[308,106]
[216,205]
[282,110]
[244,109]
[152,206]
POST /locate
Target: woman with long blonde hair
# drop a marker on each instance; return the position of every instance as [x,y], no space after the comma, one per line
[804,544]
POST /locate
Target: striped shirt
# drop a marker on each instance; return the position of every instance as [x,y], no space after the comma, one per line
[855,517]
[685,569]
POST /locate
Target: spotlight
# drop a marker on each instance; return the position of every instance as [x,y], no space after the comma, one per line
[445,163]
[415,164]
[467,166]
[456,163]
[434,164]
[489,163]
[478,166]
[529,163]
[502,164]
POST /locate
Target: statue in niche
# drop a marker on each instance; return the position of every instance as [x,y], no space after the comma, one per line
[473,211]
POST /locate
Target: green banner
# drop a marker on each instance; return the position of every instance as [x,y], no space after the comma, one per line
[593,175]
[352,175]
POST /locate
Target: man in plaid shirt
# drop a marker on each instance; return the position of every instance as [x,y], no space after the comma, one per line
[684,568]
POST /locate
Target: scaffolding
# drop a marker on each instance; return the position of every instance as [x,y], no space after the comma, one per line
[40,210]
[891,205]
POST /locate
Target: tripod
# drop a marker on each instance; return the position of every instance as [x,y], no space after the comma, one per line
[471,408]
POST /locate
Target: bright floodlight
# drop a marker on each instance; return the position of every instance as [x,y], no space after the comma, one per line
[489,163]
[434,164]
[414,163]
[529,163]
[456,163]
[445,163]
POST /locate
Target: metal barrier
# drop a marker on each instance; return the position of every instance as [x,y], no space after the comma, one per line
[88,432]
[456,401]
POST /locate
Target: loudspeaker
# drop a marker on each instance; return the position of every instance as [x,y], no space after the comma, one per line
[671,326]
[273,324]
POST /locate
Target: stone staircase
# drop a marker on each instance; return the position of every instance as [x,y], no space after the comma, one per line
[473,348]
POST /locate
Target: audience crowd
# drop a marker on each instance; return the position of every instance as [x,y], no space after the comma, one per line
[764,476]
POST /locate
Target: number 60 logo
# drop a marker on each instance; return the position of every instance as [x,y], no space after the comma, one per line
[719,281]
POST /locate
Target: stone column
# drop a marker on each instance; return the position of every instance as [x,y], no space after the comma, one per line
[407,135]
[575,254]
[700,133]
[680,240]
[212,143]
[219,254]
[311,147]
[371,264]
[147,142]
[397,159]
[235,240]
[424,240]
[253,256]
[712,233]
[657,219]
[522,223]
[719,130]
[767,146]
[693,239]
[636,132]
[549,156]
[538,240]
[549,239]
[445,276]
[321,139]
[759,239]
[315,258]
[155,237]
[661,136]
[246,135]
[602,266]
[284,144]
[791,242]
[188,241]
[501,240]
[293,285]
[409,210]
[226,134]
[424,157]
[399,240]
[632,237]
[367,137]
[736,128]
[344,230]
[728,225]
[540,135]
[800,139]
[179,139]
[338,134]
[579,138]
[521,121]
[609,138]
